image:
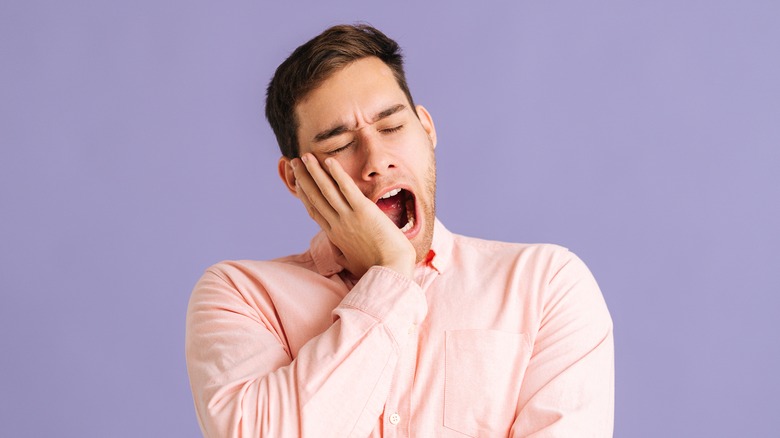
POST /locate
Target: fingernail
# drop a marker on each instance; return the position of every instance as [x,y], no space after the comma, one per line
[294,163]
[328,161]
[305,159]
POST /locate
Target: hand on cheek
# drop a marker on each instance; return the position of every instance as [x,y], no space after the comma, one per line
[365,235]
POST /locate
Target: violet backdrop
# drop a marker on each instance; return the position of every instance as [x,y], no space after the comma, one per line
[644,136]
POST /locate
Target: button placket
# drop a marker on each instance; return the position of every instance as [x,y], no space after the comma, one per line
[398,402]
[399,398]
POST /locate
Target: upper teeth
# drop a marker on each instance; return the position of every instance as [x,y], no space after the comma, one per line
[391,193]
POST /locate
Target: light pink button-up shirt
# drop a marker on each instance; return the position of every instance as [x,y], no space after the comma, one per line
[491,339]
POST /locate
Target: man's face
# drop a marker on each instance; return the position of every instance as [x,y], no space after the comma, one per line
[362,118]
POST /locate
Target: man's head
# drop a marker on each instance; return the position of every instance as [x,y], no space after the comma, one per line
[310,64]
[343,95]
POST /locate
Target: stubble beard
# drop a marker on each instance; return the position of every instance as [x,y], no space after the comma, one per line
[423,246]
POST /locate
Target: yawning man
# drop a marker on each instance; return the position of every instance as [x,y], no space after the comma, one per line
[390,325]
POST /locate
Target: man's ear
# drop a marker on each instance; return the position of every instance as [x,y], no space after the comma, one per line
[287,175]
[427,123]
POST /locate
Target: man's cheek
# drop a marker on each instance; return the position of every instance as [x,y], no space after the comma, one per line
[352,170]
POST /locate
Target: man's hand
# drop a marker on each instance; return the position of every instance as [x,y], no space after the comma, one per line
[357,227]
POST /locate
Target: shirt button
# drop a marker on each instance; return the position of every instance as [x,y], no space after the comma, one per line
[395,419]
[412,329]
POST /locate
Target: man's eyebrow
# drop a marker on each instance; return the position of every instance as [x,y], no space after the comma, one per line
[389,112]
[329,133]
[340,129]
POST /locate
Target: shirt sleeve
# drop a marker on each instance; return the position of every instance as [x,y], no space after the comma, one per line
[568,389]
[245,383]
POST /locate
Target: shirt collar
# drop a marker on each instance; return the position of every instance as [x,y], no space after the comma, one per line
[323,252]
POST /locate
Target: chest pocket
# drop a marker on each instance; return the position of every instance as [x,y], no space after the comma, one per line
[483,373]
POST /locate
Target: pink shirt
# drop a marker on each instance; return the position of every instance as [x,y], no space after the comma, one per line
[492,339]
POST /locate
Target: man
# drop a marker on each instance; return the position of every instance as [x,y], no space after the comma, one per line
[390,325]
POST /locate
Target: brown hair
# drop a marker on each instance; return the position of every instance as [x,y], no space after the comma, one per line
[313,62]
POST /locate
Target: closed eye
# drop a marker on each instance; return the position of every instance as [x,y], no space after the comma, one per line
[337,150]
[392,130]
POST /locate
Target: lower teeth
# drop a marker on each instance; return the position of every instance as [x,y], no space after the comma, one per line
[409,224]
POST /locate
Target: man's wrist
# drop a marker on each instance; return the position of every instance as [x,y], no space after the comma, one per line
[405,268]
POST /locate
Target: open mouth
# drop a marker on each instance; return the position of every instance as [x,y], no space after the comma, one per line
[398,205]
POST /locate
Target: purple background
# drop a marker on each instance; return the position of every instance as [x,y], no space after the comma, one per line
[643,136]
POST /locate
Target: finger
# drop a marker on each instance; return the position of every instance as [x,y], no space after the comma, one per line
[347,186]
[306,185]
[311,209]
[327,186]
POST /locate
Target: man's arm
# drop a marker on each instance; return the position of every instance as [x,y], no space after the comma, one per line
[244,381]
[568,389]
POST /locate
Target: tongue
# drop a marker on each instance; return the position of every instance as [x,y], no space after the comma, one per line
[394,207]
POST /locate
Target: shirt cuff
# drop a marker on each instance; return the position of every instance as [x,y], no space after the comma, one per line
[393,299]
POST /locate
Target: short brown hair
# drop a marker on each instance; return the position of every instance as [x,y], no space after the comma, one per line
[313,62]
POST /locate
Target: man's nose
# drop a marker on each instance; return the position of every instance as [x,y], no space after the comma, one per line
[377,160]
